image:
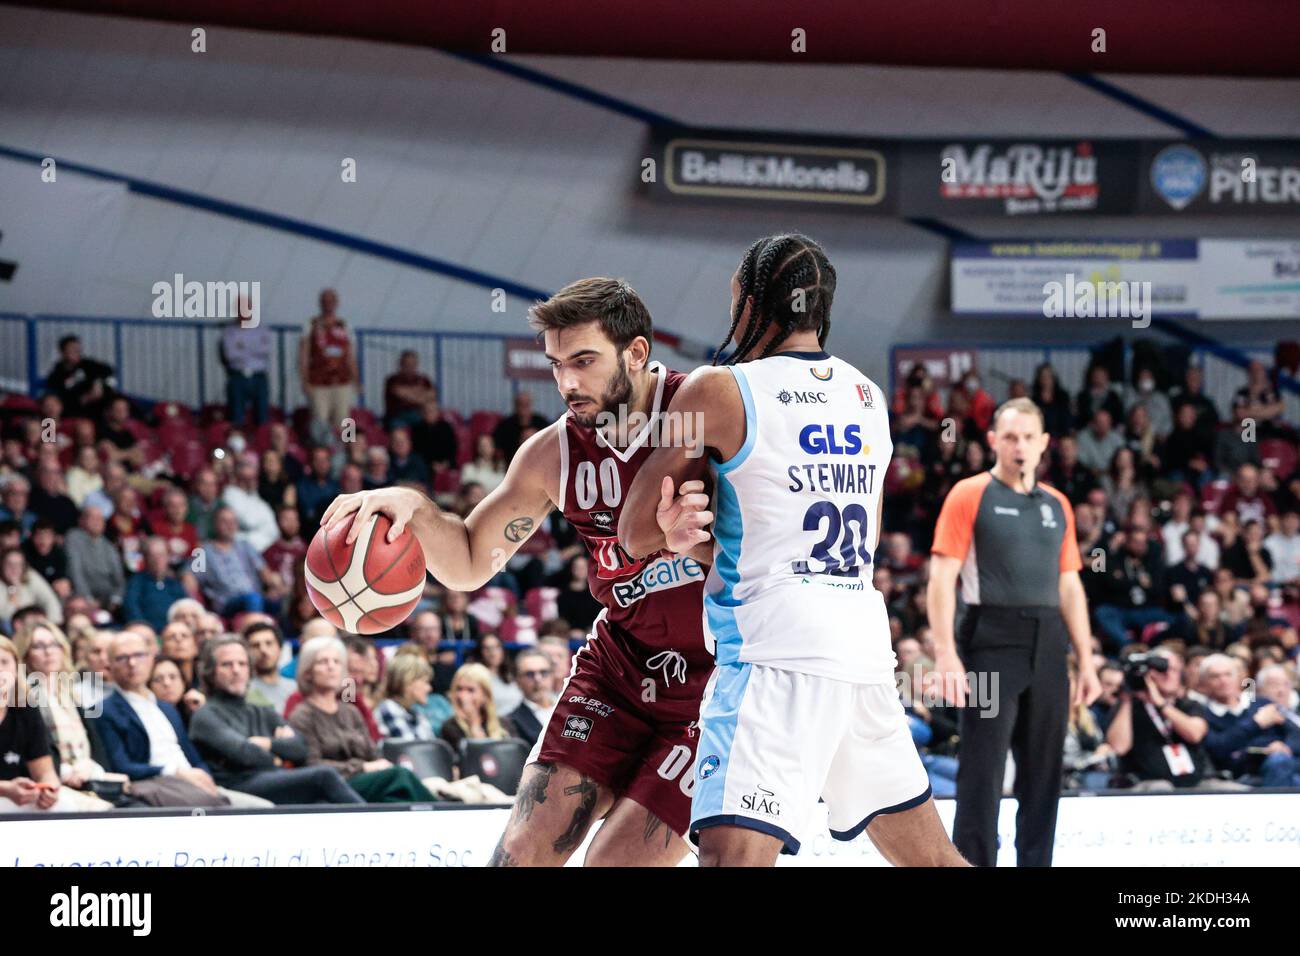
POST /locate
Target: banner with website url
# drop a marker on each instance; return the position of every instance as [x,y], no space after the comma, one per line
[1128,278]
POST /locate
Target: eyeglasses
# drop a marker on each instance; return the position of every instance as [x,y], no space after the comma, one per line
[130,658]
[44,646]
[536,675]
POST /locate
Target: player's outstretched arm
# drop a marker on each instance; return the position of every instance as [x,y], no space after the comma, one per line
[464,553]
[707,415]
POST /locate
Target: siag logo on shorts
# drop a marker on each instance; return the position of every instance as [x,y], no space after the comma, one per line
[667,572]
[761,801]
[578,728]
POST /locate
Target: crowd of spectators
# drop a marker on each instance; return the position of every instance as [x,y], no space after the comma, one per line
[1188,525]
[156,595]
[154,601]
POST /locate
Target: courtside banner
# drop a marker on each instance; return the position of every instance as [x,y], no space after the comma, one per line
[1026,177]
[773,167]
[1249,279]
[1248,829]
[1220,177]
[1020,177]
[1016,277]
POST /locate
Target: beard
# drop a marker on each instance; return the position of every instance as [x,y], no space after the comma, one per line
[618,391]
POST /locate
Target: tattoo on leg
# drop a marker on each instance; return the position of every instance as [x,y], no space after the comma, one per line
[587,791]
[534,791]
[652,827]
[500,857]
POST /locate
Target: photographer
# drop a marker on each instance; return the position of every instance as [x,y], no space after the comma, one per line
[1157,732]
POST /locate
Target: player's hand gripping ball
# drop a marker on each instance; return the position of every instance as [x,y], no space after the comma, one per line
[369,586]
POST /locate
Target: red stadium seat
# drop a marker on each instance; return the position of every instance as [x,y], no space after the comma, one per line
[483,422]
[541,603]
[446,481]
[19,403]
[215,434]
[464,447]
[166,411]
[1212,495]
[1278,455]
[188,458]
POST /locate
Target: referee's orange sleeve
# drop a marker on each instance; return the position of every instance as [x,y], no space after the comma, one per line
[956,526]
[1070,559]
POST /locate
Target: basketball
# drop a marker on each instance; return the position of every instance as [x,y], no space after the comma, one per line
[369,586]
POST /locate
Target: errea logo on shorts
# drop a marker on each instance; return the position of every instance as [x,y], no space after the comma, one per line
[578,728]
[75,909]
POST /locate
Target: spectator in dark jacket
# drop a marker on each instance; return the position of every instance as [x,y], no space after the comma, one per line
[248,745]
[47,558]
[1238,724]
[145,740]
[1133,594]
[152,591]
[83,384]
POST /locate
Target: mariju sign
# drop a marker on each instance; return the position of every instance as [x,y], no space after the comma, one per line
[950,178]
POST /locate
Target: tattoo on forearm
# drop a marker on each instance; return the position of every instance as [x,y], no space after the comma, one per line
[587,791]
[519,529]
[652,827]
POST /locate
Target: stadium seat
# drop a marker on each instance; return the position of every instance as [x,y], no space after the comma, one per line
[174,431]
[518,629]
[464,446]
[188,457]
[424,758]
[1279,455]
[482,423]
[215,434]
[19,403]
[498,762]
[541,603]
[446,481]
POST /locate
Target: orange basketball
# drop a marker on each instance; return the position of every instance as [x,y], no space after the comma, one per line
[369,586]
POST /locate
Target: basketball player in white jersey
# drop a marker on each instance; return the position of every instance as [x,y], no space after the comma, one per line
[802,704]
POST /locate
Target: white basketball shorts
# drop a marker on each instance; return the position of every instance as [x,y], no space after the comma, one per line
[773,742]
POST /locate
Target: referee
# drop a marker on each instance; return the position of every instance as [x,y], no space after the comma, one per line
[1011,542]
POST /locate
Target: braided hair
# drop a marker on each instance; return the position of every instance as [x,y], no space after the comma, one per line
[792,283]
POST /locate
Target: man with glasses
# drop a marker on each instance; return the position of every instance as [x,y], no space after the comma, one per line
[145,739]
[533,674]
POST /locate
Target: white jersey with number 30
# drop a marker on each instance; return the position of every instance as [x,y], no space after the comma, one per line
[794,525]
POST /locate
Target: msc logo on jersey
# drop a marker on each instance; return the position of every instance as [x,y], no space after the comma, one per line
[664,574]
[709,766]
[822,440]
[865,397]
[822,374]
[801,398]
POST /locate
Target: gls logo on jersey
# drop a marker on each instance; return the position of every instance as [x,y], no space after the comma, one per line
[761,801]
[662,575]
[821,440]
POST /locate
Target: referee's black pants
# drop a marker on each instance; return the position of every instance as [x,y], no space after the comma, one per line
[1026,648]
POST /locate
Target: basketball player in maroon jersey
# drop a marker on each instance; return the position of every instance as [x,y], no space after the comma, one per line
[620,744]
